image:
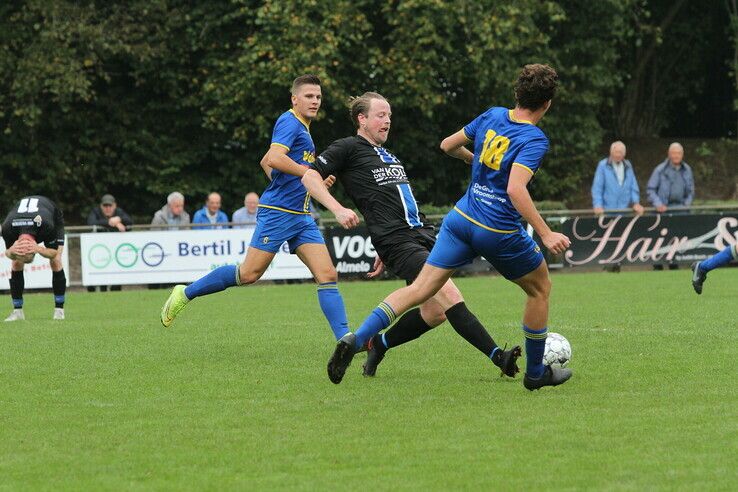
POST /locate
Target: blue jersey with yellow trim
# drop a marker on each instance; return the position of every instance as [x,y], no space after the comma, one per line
[500,142]
[286,192]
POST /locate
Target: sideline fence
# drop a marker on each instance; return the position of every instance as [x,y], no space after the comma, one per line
[153,254]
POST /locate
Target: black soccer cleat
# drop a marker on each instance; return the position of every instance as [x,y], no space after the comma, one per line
[341,358]
[698,277]
[552,376]
[374,356]
[508,361]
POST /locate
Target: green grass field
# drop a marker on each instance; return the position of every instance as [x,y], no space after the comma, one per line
[236,396]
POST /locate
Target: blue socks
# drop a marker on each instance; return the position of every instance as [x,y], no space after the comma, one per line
[18,303]
[382,316]
[722,258]
[535,344]
[219,279]
[331,303]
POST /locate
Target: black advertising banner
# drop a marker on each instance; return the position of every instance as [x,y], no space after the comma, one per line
[351,249]
[648,239]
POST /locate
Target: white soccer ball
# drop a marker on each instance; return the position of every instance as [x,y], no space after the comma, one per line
[557,351]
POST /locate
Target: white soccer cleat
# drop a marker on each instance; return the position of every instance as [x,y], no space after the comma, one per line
[58,313]
[16,315]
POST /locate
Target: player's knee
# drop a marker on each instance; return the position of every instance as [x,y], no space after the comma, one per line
[450,295]
[56,264]
[327,275]
[248,277]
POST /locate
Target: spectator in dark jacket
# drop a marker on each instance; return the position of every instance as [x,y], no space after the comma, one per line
[672,182]
[108,217]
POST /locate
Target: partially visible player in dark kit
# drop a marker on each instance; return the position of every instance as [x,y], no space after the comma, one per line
[34,220]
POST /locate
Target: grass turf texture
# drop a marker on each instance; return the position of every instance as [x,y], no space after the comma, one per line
[236,394]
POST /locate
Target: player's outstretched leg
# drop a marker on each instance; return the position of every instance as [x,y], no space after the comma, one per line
[17,285]
[537,286]
[700,269]
[429,281]
[248,272]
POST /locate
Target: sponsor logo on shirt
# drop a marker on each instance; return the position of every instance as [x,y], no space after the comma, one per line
[484,194]
[390,175]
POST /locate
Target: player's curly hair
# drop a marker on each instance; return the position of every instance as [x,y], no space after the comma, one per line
[304,80]
[360,105]
[535,86]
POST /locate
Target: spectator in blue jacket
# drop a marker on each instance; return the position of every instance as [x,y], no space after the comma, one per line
[615,186]
[672,182]
[211,214]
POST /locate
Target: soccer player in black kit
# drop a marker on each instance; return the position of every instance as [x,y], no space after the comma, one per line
[33,220]
[376,181]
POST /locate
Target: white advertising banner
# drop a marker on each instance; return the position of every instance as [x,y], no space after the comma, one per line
[36,275]
[160,257]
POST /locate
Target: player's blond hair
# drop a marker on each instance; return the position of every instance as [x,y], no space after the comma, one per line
[360,105]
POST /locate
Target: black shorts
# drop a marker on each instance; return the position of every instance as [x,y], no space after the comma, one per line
[404,254]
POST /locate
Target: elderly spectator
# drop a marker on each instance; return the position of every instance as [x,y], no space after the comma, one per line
[211,214]
[672,181]
[247,213]
[108,217]
[615,186]
[173,213]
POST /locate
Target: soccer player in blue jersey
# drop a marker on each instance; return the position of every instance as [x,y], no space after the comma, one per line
[700,269]
[508,149]
[284,215]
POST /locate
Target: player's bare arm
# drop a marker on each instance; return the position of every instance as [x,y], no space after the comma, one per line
[265,167]
[276,158]
[454,145]
[517,190]
[316,186]
[45,252]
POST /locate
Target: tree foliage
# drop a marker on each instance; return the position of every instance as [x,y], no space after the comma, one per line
[140,98]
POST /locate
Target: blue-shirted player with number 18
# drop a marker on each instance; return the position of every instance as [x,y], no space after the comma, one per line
[284,215]
[508,149]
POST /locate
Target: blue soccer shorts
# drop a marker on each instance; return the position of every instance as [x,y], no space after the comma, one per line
[274,227]
[460,241]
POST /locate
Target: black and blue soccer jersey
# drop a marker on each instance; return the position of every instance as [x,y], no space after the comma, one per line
[38,216]
[285,191]
[376,181]
[500,142]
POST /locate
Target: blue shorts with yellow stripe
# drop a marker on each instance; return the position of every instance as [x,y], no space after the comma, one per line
[274,227]
[460,241]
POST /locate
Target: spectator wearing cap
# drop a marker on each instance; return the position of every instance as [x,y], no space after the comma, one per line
[172,214]
[108,217]
[247,214]
[211,214]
